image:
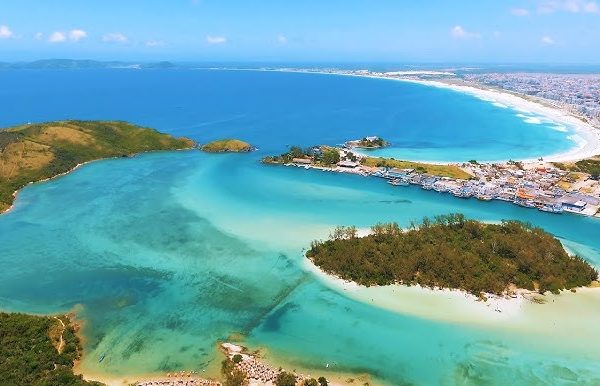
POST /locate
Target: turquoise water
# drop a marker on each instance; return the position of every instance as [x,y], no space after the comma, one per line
[275,109]
[164,254]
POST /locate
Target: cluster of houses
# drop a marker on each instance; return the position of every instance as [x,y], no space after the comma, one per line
[533,185]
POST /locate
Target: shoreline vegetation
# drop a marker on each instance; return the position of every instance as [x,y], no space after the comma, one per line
[37,152]
[45,350]
[241,367]
[455,253]
[39,350]
[227,146]
[589,166]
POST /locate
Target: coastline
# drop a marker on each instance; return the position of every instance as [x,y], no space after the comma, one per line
[586,137]
[563,315]
[16,192]
[442,304]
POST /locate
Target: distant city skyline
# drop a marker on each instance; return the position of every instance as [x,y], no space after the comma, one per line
[513,31]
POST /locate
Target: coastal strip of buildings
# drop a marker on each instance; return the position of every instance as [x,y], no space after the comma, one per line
[537,185]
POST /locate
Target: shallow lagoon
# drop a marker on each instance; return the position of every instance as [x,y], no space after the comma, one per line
[164,254]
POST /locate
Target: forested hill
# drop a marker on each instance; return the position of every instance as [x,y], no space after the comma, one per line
[453,252]
[34,152]
[39,351]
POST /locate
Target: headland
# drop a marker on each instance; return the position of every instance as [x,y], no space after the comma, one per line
[37,152]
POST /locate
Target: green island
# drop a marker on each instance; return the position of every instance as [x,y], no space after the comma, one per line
[227,146]
[39,351]
[453,252]
[367,143]
[35,152]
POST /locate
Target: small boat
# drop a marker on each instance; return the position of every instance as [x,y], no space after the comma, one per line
[525,203]
[102,358]
[551,209]
[398,182]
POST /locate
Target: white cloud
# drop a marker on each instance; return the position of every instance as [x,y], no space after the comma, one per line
[497,34]
[591,7]
[77,35]
[519,11]
[282,39]
[155,43]
[115,37]
[572,6]
[5,32]
[216,39]
[458,32]
[57,37]
[38,36]
[547,40]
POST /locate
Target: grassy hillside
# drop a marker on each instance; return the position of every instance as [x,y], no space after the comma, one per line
[589,166]
[38,351]
[451,171]
[227,145]
[35,152]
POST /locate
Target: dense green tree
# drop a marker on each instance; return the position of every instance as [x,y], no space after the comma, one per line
[310,382]
[29,357]
[285,379]
[232,375]
[330,157]
[453,252]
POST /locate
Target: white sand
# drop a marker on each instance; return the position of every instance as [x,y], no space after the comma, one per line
[587,137]
[565,316]
[439,304]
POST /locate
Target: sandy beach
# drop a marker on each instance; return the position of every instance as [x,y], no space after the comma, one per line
[563,316]
[586,137]
[438,304]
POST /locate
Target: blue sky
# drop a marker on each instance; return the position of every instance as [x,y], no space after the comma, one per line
[548,31]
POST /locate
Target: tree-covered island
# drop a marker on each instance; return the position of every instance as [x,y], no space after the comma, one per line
[227,146]
[372,142]
[453,252]
[35,152]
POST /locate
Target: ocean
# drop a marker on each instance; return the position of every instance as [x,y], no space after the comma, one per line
[165,254]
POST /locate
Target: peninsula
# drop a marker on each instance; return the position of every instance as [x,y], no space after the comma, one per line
[36,152]
[551,187]
[345,160]
[453,252]
[227,146]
